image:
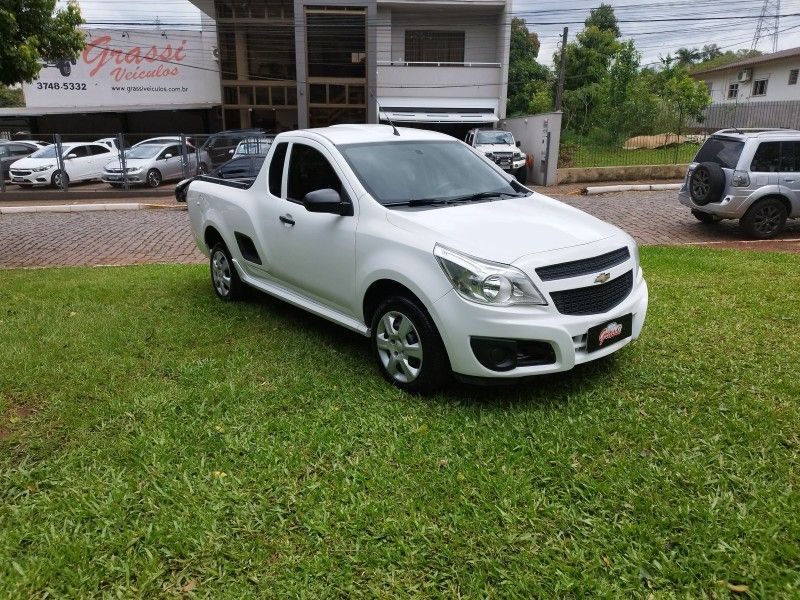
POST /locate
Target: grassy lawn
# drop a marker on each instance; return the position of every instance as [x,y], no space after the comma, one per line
[155,442]
[588,155]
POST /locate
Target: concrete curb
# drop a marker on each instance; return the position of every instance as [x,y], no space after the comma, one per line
[70,208]
[648,187]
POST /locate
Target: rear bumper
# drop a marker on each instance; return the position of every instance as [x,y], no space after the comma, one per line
[732,206]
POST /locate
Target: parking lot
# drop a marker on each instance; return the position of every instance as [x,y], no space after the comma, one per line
[163,235]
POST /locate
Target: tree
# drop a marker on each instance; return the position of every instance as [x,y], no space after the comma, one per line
[11,97]
[685,57]
[604,19]
[33,32]
[588,57]
[710,52]
[720,59]
[529,82]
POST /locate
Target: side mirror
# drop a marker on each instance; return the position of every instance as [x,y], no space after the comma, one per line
[166,156]
[327,201]
[519,143]
[69,156]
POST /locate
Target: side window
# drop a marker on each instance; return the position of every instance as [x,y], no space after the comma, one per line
[98,149]
[79,151]
[172,150]
[309,171]
[20,150]
[790,157]
[276,169]
[767,158]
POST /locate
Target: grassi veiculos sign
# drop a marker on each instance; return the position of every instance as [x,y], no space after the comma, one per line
[120,68]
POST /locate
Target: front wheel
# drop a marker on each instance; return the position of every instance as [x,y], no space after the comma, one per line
[765,219]
[59,179]
[522,175]
[153,178]
[408,349]
[224,278]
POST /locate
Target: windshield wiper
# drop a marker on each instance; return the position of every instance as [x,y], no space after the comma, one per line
[485,196]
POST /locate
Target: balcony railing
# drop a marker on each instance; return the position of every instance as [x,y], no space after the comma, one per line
[405,63]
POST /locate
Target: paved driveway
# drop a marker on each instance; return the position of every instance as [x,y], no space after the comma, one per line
[146,236]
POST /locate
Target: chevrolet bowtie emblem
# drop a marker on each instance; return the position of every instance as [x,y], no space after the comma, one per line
[602,278]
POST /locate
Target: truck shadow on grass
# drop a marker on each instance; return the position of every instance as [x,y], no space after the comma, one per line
[352,349]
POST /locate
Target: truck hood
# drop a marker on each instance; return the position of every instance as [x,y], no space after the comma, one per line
[504,230]
[497,148]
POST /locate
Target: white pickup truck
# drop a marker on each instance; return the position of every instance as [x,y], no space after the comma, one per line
[420,242]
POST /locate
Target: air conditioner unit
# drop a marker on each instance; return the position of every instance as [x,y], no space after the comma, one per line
[745,75]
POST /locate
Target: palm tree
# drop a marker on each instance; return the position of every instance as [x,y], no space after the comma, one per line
[687,56]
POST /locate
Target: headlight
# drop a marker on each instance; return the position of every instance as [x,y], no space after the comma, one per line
[518,155]
[490,155]
[133,169]
[44,168]
[487,282]
[635,248]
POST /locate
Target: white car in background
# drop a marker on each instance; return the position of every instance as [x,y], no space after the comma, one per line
[151,164]
[82,162]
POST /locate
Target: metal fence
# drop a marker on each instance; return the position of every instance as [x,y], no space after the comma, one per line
[103,163]
[679,144]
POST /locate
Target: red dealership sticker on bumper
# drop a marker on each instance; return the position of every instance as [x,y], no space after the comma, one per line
[609,332]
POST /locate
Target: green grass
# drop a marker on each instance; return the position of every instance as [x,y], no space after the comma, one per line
[156,441]
[591,155]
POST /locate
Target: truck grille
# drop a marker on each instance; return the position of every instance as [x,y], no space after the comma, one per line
[594,299]
[584,266]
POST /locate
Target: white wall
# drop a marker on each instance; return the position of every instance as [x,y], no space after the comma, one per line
[531,131]
[776,73]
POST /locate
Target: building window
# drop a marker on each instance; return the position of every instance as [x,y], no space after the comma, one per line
[429,46]
[760,87]
[733,91]
[793,76]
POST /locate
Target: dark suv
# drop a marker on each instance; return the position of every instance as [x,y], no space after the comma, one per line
[221,146]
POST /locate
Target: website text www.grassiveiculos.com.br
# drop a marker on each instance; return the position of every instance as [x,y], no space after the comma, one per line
[128,89]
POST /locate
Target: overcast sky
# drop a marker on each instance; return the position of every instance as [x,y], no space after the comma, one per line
[547,18]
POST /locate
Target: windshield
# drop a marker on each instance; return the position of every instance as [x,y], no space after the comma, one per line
[50,152]
[144,151]
[397,172]
[495,137]
[723,151]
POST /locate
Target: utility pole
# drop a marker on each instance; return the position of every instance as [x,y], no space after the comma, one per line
[561,67]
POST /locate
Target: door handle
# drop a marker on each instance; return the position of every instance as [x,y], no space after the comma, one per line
[287,220]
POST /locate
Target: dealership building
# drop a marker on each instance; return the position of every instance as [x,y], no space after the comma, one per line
[283,64]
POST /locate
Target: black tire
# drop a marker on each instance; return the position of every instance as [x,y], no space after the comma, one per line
[224,277]
[765,219]
[153,178]
[115,185]
[705,217]
[55,178]
[707,183]
[392,338]
[521,175]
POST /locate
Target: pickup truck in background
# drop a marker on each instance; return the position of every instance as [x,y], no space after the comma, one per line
[500,147]
[422,243]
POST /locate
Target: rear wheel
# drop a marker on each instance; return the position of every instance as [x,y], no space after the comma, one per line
[224,278]
[765,219]
[408,349]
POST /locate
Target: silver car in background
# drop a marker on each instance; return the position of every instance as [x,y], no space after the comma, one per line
[151,164]
[748,174]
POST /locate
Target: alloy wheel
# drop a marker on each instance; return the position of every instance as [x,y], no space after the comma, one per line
[701,184]
[767,220]
[399,347]
[221,273]
[153,179]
